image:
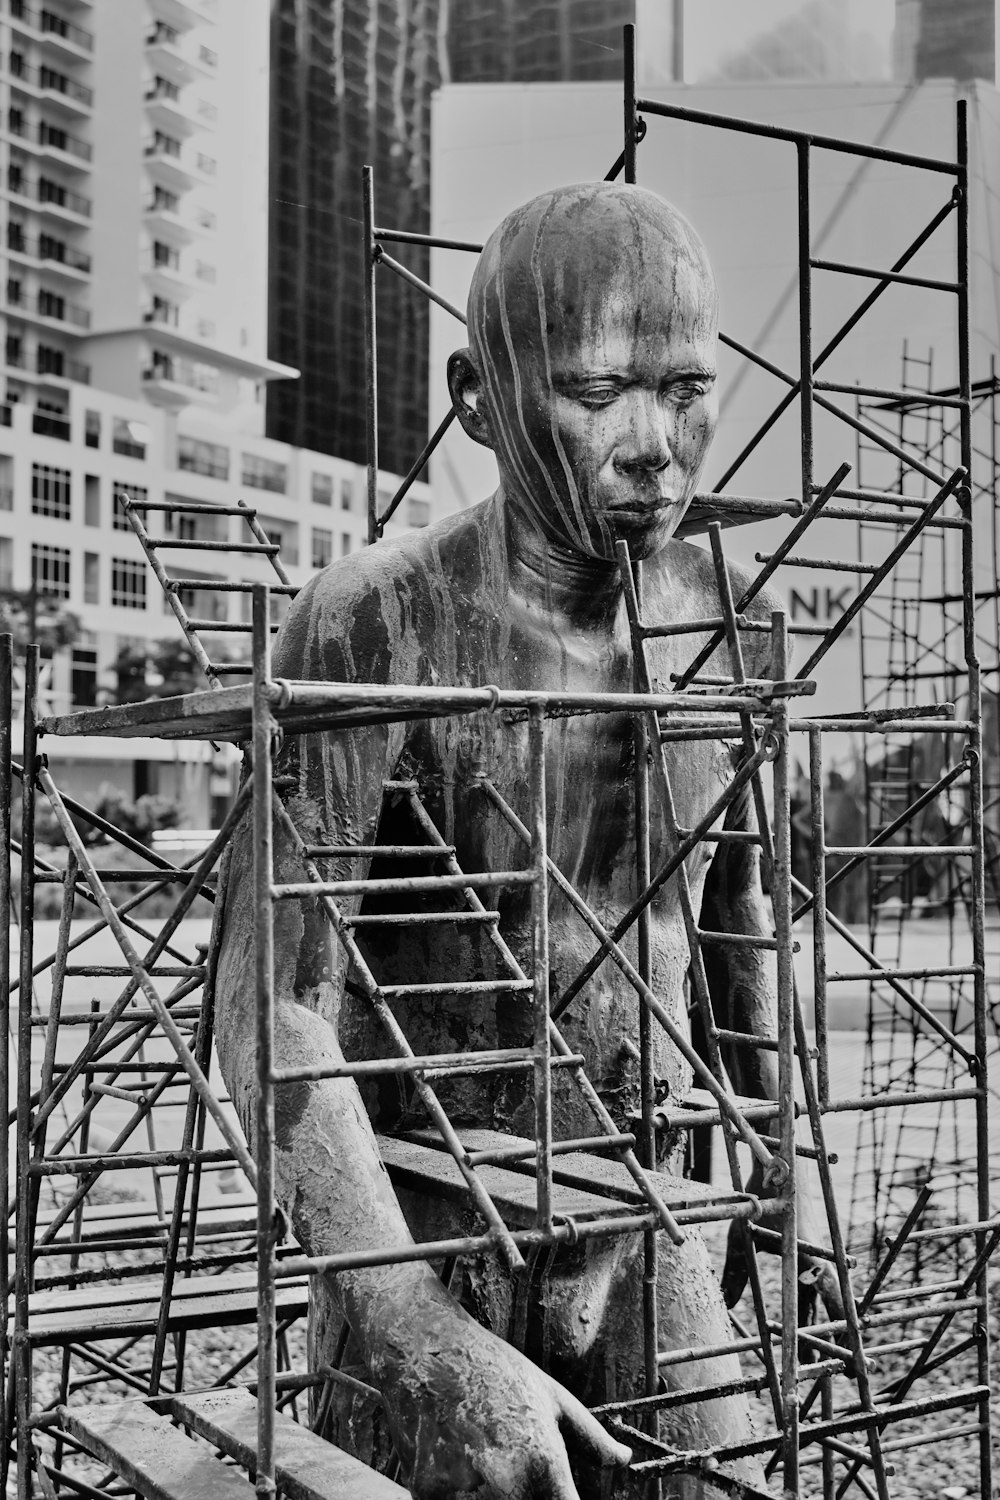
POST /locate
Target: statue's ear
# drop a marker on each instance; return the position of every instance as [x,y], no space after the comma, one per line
[466,389]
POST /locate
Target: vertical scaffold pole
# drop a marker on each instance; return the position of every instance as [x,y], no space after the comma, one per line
[264,984]
[647,1086]
[6,716]
[540,971]
[371,354]
[631,126]
[22,1241]
[781,896]
[818,836]
[978,874]
[805,322]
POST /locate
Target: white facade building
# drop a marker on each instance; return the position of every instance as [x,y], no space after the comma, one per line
[134,187]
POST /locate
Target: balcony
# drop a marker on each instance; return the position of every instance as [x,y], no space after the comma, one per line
[46,139]
[168,56]
[170,380]
[50,84]
[46,424]
[64,36]
[53,367]
[62,259]
[176,224]
[181,15]
[55,256]
[52,29]
[168,110]
[55,198]
[167,166]
[69,150]
[167,282]
[48,308]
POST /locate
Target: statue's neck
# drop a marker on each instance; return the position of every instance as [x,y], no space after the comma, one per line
[557,581]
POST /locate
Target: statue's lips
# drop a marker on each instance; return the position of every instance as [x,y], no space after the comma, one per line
[645,508]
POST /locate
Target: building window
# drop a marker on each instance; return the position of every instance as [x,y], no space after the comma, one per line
[83,678]
[49,361]
[163,311]
[264,473]
[163,145]
[6,562]
[164,201]
[198,457]
[128,438]
[14,354]
[51,305]
[207,164]
[137,493]
[50,569]
[418,512]
[284,535]
[91,579]
[346,495]
[166,255]
[128,583]
[322,489]
[50,492]
[205,272]
[91,500]
[345,543]
[92,429]
[163,88]
[14,295]
[322,547]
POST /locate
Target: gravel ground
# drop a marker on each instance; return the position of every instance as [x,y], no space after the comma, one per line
[940,1469]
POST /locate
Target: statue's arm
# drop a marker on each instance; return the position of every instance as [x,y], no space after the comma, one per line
[329,1173]
[468,1412]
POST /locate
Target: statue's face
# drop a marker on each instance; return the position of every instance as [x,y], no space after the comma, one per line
[622,407]
[599,376]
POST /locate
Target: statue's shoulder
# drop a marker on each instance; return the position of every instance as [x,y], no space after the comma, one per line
[688,565]
[687,583]
[363,616]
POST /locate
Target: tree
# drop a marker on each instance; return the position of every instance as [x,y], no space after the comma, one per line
[34,617]
[154,669]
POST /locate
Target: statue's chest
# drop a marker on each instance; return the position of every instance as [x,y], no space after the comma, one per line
[590,790]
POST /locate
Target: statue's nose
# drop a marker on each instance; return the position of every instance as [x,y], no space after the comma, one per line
[646,446]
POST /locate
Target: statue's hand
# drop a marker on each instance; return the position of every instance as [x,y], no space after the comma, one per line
[471,1416]
[819,1284]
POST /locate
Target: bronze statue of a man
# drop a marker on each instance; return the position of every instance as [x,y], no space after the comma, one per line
[591,375]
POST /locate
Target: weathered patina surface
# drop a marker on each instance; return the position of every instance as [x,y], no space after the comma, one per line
[591,375]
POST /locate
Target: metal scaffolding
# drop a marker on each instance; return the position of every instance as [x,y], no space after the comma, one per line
[911,647]
[85,1315]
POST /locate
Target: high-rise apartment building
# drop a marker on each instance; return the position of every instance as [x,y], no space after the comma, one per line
[351,83]
[133,232]
[130,261]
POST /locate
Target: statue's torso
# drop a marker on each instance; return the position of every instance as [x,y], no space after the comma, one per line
[459,625]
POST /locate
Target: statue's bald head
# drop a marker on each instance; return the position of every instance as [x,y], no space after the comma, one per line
[551,260]
[583,280]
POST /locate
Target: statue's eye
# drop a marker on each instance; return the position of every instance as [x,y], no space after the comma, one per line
[598,395]
[683,391]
